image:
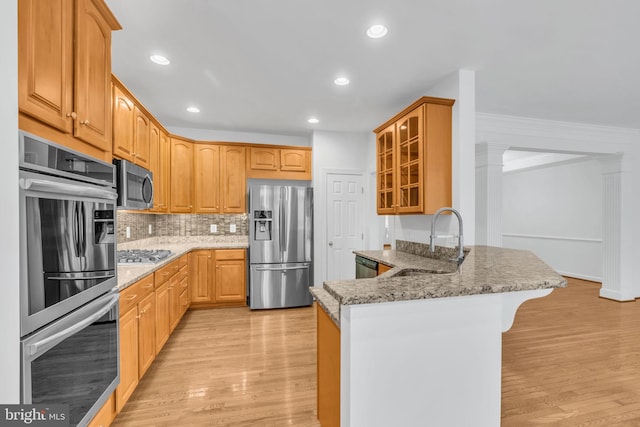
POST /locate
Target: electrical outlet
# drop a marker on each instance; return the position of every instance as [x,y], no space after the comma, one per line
[150,228]
[232,228]
[213,228]
[128,231]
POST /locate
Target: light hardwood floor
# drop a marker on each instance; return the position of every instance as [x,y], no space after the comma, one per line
[570,359]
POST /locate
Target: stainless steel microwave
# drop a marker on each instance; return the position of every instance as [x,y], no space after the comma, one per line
[135,186]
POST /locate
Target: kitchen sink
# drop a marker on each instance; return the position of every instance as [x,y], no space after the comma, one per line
[420,272]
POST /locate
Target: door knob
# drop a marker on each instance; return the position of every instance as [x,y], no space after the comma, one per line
[330,243]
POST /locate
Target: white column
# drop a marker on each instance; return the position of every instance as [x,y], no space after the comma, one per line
[617,269]
[489,193]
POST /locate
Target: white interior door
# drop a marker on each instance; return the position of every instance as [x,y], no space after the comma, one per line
[345,223]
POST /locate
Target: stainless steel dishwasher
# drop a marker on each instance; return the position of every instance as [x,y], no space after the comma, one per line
[365,268]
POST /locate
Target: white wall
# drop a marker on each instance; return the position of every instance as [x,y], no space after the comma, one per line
[231,136]
[333,151]
[556,211]
[9,315]
[461,87]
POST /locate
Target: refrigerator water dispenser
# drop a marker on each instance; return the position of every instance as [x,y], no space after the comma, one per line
[262,225]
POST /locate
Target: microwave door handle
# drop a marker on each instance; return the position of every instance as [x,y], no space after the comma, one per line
[39,347]
[64,188]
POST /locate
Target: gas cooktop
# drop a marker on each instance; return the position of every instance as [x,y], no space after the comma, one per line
[142,256]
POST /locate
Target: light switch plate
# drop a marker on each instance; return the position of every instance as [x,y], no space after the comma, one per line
[150,228]
[128,231]
[213,228]
[232,228]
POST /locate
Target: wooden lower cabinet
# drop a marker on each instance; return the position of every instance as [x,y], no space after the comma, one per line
[218,277]
[128,357]
[328,360]
[163,323]
[106,414]
[146,333]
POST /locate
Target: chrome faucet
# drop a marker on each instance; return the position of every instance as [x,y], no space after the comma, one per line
[432,237]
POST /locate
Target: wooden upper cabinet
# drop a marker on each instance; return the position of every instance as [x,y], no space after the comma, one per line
[162,184]
[414,159]
[232,167]
[93,74]
[64,69]
[206,178]
[263,158]
[386,170]
[278,162]
[123,111]
[181,176]
[293,160]
[154,165]
[141,128]
[45,61]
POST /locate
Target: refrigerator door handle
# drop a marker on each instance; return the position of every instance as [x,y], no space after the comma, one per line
[282,268]
[283,220]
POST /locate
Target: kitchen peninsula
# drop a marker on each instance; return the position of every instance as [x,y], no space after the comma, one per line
[421,344]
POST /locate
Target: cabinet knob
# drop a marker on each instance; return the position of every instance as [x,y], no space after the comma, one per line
[330,243]
[84,122]
[72,115]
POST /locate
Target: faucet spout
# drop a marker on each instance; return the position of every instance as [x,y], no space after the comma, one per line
[432,237]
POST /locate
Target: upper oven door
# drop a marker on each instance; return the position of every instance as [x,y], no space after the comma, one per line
[67,244]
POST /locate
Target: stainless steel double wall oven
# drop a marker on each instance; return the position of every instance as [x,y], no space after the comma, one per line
[69,312]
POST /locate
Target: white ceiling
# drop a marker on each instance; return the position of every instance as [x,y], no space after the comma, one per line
[268,65]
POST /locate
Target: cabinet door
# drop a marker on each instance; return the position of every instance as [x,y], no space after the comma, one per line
[123,110]
[230,281]
[174,302]
[141,150]
[263,158]
[163,327]
[201,276]
[181,176]
[106,414]
[45,61]
[206,178]
[162,186]
[92,76]
[154,164]
[386,171]
[146,333]
[232,165]
[292,160]
[409,161]
[128,357]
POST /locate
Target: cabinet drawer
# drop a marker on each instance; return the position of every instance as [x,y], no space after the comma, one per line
[183,273]
[182,261]
[163,274]
[130,296]
[183,283]
[225,254]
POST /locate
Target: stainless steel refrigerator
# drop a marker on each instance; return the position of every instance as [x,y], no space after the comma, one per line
[280,246]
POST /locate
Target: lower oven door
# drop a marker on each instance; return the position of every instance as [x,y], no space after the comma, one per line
[74,360]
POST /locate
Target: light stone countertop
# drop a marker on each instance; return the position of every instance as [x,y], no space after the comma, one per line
[328,303]
[485,270]
[128,274]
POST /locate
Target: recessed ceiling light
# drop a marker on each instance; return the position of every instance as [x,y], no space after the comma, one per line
[376,31]
[313,120]
[159,59]
[193,109]
[341,81]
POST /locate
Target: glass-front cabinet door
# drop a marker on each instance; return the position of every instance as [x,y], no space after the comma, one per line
[410,162]
[386,167]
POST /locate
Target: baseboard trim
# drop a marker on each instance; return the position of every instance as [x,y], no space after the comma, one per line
[580,276]
[615,295]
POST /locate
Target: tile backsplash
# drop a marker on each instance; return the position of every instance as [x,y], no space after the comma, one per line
[178,225]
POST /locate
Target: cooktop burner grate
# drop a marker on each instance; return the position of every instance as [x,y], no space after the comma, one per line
[142,256]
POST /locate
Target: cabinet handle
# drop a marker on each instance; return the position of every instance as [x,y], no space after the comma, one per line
[72,115]
[132,297]
[150,285]
[84,122]
[138,316]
